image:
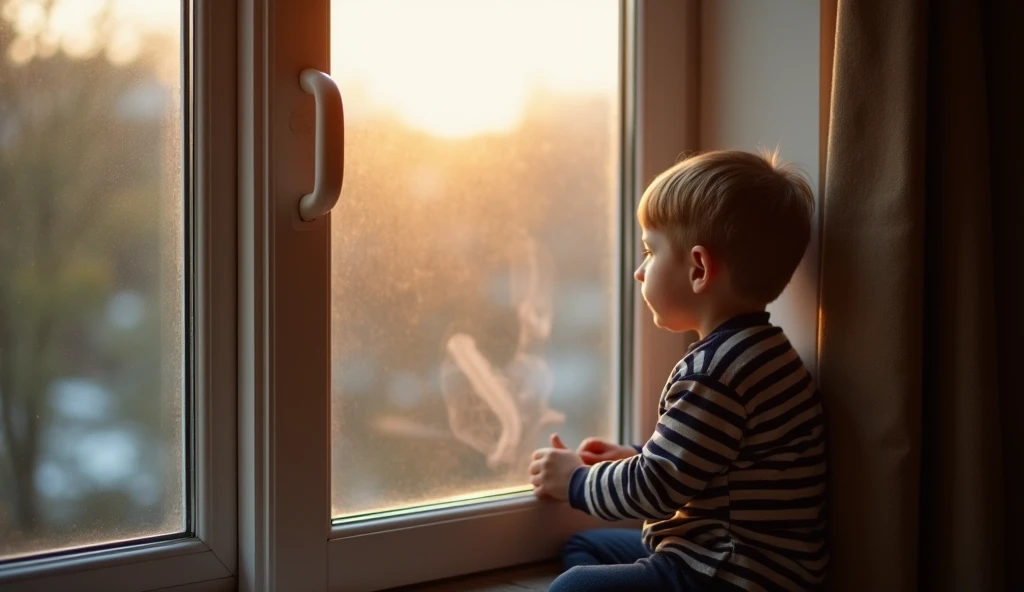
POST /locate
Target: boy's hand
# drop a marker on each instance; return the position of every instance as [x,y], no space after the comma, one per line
[552,468]
[594,450]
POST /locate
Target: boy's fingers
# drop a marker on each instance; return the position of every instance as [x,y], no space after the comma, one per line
[593,445]
[556,442]
[534,468]
[538,453]
[596,458]
[588,457]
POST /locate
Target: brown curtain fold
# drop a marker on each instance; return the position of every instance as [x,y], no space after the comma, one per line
[960,535]
[919,211]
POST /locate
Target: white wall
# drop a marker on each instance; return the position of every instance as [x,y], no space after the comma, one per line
[759,86]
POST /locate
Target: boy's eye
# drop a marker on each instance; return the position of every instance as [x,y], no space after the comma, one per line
[646,252]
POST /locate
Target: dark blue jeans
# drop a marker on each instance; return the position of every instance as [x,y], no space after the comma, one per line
[615,559]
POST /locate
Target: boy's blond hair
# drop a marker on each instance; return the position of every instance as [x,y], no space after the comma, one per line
[751,210]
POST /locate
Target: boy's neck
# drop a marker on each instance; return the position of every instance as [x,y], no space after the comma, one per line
[716,316]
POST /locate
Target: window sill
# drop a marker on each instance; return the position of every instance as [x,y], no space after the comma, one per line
[536,576]
[453,541]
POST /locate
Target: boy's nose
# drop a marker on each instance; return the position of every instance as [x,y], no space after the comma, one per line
[639,274]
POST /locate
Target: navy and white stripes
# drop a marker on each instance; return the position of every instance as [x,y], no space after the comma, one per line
[733,480]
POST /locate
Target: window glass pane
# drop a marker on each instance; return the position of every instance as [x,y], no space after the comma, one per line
[91,273]
[475,266]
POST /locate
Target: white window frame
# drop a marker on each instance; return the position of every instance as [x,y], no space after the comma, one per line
[207,560]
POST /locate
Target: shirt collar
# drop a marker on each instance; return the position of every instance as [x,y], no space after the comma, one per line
[744,321]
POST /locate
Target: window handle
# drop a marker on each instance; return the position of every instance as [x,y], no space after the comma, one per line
[330,144]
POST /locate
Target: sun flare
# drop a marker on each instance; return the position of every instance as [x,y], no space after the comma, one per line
[458,68]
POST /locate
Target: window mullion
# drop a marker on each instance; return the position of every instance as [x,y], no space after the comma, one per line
[284,305]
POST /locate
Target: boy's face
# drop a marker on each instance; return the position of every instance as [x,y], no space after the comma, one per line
[664,283]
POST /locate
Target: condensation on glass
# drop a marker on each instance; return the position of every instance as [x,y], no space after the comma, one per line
[474,265]
[91,273]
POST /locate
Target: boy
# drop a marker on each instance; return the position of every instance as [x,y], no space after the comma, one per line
[732,483]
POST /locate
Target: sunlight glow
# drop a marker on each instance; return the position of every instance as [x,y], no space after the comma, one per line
[457,68]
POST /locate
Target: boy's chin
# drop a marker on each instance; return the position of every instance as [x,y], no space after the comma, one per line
[668,325]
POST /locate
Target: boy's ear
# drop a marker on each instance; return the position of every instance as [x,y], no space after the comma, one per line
[700,268]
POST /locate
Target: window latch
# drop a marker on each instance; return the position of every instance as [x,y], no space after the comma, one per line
[330,145]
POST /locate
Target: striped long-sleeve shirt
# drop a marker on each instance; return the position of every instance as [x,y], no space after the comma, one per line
[732,483]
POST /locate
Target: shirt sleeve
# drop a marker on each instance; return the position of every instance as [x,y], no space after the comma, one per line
[697,437]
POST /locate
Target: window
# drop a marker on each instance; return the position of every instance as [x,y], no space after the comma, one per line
[92,283]
[476,258]
[117,295]
[475,248]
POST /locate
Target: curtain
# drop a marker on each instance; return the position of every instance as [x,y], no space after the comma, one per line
[920,299]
